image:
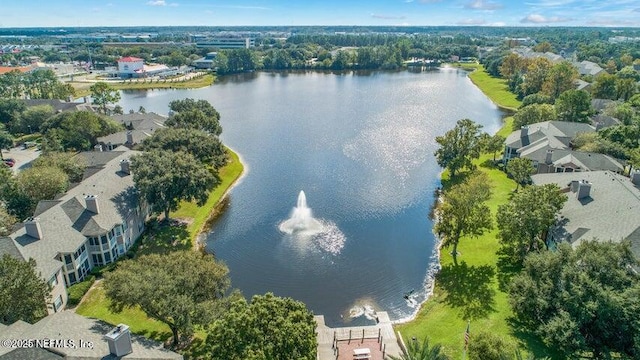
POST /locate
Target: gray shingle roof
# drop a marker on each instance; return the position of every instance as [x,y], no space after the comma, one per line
[138,121]
[611,212]
[7,246]
[31,354]
[66,225]
[67,325]
[562,131]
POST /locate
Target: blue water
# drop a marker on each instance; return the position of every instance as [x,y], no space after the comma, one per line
[361,147]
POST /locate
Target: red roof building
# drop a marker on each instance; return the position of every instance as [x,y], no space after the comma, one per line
[130,59]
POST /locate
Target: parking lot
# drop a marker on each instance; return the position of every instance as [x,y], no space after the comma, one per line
[23,157]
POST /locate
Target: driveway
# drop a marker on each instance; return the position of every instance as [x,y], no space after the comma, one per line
[23,157]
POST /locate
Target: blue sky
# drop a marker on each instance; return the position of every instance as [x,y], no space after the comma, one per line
[18,13]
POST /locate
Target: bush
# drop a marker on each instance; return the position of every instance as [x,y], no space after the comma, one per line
[77,291]
[99,271]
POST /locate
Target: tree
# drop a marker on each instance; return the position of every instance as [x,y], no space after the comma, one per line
[543,47]
[625,88]
[166,178]
[582,300]
[459,146]
[487,346]
[523,221]
[11,110]
[417,351]
[205,147]
[561,78]
[537,72]
[23,294]
[270,327]
[6,142]
[464,212]
[42,183]
[179,288]
[604,87]
[199,115]
[512,64]
[18,204]
[32,119]
[520,170]
[69,163]
[574,105]
[532,114]
[6,221]
[117,110]
[78,130]
[102,94]
[493,144]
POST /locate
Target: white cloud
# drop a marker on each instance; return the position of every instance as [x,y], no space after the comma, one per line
[497,23]
[539,19]
[387,17]
[471,22]
[483,5]
[550,3]
[157,3]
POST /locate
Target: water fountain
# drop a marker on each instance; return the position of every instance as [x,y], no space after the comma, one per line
[301,220]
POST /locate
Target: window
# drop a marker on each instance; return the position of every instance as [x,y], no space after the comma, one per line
[72,278]
[107,258]
[57,305]
[114,253]
[54,280]
[67,259]
[111,233]
[94,258]
[103,239]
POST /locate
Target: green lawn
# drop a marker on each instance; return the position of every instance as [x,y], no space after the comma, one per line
[472,291]
[495,88]
[198,82]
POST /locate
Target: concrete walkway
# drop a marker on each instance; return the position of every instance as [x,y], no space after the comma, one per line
[326,336]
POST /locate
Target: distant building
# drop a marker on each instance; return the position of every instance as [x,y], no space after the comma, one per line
[130,66]
[207,62]
[226,43]
[588,68]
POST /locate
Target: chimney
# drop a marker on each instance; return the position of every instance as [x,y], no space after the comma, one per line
[92,203]
[125,166]
[574,186]
[548,157]
[32,226]
[129,137]
[584,189]
[119,340]
[635,178]
[524,131]
[97,148]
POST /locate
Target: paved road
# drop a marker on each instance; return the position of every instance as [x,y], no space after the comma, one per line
[23,157]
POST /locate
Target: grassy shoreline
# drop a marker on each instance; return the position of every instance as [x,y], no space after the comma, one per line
[170,238]
[82,88]
[472,291]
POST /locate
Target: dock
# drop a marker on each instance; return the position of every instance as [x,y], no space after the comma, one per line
[372,342]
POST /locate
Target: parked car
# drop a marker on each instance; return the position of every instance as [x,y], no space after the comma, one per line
[9,162]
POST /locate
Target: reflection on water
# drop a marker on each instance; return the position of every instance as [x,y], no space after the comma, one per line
[361,146]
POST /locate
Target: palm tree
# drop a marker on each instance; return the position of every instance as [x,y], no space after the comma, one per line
[417,351]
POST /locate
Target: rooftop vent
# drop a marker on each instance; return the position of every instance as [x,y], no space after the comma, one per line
[129,137]
[524,131]
[119,340]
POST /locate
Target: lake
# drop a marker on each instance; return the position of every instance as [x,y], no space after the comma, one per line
[360,145]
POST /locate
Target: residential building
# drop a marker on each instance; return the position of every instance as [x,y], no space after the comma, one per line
[548,145]
[91,225]
[601,205]
[589,68]
[67,335]
[139,127]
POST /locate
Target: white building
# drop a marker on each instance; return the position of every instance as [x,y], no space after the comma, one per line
[130,66]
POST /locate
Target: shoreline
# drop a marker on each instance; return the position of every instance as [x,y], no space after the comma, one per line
[198,243]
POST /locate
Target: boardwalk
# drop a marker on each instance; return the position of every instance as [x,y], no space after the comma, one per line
[340,343]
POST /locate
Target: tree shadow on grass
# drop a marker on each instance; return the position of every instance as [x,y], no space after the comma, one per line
[531,341]
[507,269]
[461,176]
[164,238]
[469,288]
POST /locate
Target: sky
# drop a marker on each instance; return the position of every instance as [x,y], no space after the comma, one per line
[54,13]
